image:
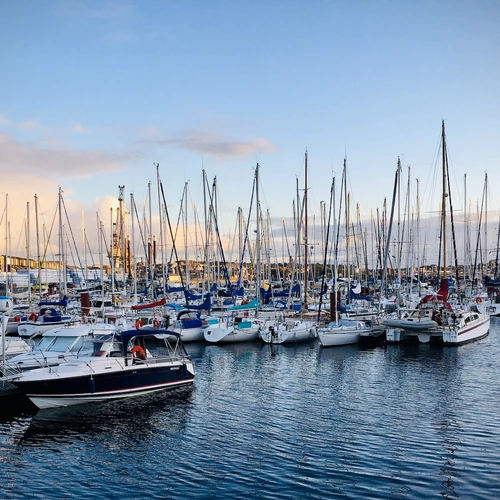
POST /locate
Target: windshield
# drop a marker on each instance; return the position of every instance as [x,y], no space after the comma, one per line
[94,344]
[59,344]
[44,343]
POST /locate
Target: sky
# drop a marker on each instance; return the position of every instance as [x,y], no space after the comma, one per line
[94,94]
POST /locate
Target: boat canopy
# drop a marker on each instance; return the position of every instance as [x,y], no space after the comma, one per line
[127,335]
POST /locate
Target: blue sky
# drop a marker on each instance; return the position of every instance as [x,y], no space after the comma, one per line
[95,92]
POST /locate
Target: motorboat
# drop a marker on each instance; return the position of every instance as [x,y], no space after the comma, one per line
[47,319]
[120,366]
[57,345]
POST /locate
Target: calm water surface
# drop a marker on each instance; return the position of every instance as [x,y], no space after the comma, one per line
[300,422]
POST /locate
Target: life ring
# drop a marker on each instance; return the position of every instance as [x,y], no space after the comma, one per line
[478,300]
[156,323]
[138,352]
[138,324]
[33,316]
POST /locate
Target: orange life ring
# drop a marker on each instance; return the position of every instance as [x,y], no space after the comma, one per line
[138,352]
[33,316]
[138,324]
[156,323]
[478,300]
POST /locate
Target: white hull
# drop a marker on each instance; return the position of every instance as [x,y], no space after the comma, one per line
[338,338]
[288,332]
[345,332]
[475,330]
[190,334]
[47,402]
[488,307]
[32,328]
[245,331]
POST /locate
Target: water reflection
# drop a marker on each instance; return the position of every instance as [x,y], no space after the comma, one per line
[124,421]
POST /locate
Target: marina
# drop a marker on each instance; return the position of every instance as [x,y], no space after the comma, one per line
[249,250]
[277,421]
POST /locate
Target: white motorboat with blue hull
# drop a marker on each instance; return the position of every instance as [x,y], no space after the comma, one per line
[121,366]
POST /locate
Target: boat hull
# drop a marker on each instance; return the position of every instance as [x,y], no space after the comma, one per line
[231,334]
[288,332]
[466,334]
[68,387]
[338,338]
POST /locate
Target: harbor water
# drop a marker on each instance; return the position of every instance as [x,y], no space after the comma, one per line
[276,422]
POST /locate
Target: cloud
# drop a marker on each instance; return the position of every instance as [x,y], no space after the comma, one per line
[4,122]
[212,145]
[32,125]
[27,157]
[78,128]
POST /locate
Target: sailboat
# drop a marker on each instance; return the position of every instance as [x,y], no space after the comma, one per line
[287,330]
[343,330]
[460,326]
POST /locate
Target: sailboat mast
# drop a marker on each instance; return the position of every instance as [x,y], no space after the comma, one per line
[346,209]
[186,258]
[443,202]
[306,248]
[257,243]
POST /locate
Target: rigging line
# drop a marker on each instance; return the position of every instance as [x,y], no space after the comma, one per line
[173,237]
[452,222]
[332,191]
[148,265]
[174,248]
[219,240]
[478,236]
[240,271]
[286,239]
[73,238]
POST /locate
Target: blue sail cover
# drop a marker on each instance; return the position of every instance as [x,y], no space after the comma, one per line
[61,303]
[490,282]
[358,296]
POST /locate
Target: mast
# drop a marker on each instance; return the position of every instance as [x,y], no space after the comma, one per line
[39,277]
[257,243]
[162,238]
[132,234]
[186,259]
[306,248]
[346,210]
[443,201]
[28,248]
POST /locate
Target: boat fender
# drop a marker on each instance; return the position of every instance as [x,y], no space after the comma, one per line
[138,324]
[478,300]
[138,352]
[91,385]
[156,323]
[17,319]
[33,316]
